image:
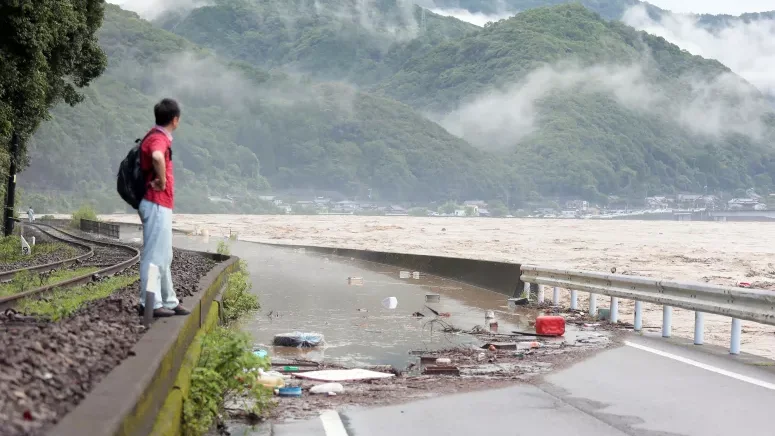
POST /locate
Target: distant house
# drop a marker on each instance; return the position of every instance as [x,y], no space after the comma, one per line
[305,203]
[475,203]
[460,212]
[267,197]
[569,213]
[484,212]
[577,204]
[742,203]
[221,200]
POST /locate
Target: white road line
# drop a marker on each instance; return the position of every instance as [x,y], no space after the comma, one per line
[731,374]
[332,423]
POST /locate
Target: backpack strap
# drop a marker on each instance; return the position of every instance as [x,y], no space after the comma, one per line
[151,132]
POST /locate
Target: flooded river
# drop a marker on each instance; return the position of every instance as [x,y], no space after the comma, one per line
[720,253]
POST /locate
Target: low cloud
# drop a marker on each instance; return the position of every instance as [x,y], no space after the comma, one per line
[475,18]
[204,80]
[746,48]
[151,9]
[502,118]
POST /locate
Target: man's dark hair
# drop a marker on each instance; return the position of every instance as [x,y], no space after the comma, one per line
[166,111]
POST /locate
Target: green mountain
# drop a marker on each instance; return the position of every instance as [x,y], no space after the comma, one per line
[242,126]
[362,42]
[555,101]
[585,140]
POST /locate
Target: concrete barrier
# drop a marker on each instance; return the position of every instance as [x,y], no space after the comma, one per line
[144,394]
[501,277]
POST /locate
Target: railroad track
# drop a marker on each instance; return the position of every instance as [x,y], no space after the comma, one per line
[110,257]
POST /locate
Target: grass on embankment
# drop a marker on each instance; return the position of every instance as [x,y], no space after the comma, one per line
[11,250]
[63,302]
[26,280]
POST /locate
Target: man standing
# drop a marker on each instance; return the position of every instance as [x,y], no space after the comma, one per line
[31,214]
[156,209]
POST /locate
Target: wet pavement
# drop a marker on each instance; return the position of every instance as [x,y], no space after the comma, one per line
[310,292]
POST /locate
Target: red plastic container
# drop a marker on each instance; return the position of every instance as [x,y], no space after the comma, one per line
[550,325]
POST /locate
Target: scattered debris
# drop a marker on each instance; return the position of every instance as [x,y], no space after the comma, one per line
[338,375]
[514,302]
[404,274]
[327,388]
[432,298]
[744,285]
[492,346]
[390,303]
[290,391]
[355,281]
[441,370]
[550,325]
[299,339]
[418,315]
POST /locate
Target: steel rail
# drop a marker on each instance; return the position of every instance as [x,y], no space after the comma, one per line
[7,275]
[8,301]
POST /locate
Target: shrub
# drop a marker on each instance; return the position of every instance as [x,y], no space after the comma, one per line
[227,369]
[223,248]
[237,299]
[85,212]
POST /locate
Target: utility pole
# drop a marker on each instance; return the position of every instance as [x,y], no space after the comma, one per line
[10,192]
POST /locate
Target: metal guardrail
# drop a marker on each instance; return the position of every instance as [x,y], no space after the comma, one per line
[737,303]
[101,228]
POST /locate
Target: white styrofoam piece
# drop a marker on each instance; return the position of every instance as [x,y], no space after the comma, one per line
[339,375]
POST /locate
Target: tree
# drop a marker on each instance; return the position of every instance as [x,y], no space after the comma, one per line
[48,48]
[418,211]
[497,208]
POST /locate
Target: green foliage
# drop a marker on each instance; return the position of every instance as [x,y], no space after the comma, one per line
[227,369]
[448,207]
[223,248]
[11,250]
[237,299]
[48,50]
[85,212]
[26,280]
[63,302]
[418,211]
[497,208]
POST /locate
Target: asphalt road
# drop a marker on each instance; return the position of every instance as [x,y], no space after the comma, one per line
[648,386]
[622,391]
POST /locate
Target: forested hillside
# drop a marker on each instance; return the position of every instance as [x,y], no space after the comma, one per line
[555,101]
[241,124]
[361,42]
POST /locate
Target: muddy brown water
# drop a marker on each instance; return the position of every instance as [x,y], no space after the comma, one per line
[309,292]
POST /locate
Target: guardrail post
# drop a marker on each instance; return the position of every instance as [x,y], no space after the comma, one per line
[667,320]
[540,293]
[638,324]
[556,296]
[614,316]
[533,291]
[737,330]
[574,300]
[592,304]
[699,329]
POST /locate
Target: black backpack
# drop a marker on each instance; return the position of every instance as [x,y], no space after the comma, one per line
[130,183]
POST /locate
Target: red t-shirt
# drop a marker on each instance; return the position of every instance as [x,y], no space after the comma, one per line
[158,140]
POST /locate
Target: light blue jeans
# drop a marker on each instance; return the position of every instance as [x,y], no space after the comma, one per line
[157,250]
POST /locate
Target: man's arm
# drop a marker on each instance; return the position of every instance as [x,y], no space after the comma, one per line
[157,147]
[160,168]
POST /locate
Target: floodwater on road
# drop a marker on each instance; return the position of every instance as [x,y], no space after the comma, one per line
[705,252]
[310,292]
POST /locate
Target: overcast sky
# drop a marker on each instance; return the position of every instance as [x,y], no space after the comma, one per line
[731,7]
